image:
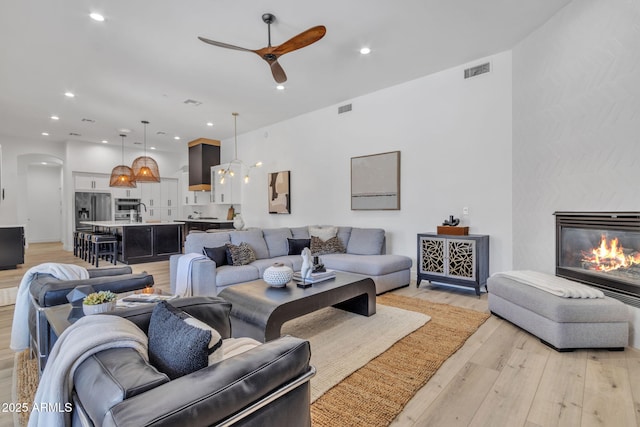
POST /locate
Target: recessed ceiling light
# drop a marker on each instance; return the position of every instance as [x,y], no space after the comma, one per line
[45,134]
[176,138]
[104,141]
[124,130]
[280,87]
[96,17]
[209,124]
[43,163]
[69,94]
[365,51]
[152,148]
[55,118]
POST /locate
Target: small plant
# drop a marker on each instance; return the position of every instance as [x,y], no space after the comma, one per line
[101,297]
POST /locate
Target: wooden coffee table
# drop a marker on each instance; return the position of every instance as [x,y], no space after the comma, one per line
[259,310]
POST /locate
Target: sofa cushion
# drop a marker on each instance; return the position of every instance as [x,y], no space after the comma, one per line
[217,255]
[344,233]
[119,374]
[176,347]
[297,245]
[330,246]
[263,264]
[370,265]
[229,275]
[254,238]
[195,242]
[366,241]
[241,254]
[324,232]
[300,232]
[276,239]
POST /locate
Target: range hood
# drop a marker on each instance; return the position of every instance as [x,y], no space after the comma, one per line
[203,153]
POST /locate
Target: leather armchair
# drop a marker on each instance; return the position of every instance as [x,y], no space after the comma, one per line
[48,291]
[265,386]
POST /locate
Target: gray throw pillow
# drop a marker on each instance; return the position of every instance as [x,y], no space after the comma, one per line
[176,347]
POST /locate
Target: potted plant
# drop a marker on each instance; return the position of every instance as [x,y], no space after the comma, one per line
[99,302]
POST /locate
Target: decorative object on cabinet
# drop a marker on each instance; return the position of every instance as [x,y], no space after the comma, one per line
[203,154]
[375,182]
[144,167]
[122,175]
[280,192]
[227,170]
[238,222]
[462,261]
[451,221]
[231,212]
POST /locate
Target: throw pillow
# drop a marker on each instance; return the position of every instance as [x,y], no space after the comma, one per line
[324,233]
[331,246]
[297,245]
[217,255]
[241,254]
[176,347]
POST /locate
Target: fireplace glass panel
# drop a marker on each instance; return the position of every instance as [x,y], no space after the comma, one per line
[604,253]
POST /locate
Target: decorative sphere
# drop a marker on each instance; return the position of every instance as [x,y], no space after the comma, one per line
[278,275]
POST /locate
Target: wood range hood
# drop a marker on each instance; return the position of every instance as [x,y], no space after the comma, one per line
[203,153]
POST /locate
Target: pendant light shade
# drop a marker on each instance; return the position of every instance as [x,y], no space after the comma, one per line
[121,175]
[228,169]
[144,167]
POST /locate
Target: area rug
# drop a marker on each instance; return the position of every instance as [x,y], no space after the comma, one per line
[376,393]
[341,342]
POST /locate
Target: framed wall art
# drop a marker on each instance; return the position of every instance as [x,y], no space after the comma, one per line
[375,182]
[279,192]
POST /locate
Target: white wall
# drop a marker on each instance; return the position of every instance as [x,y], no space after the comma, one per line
[576,127]
[455,141]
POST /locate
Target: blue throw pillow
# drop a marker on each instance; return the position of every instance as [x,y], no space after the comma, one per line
[176,347]
[297,245]
[217,255]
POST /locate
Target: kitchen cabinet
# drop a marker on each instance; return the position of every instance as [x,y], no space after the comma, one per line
[169,192]
[230,191]
[85,181]
[191,198]
[11,247]
[126,193]
[455,260]
[149,242]
[161,199]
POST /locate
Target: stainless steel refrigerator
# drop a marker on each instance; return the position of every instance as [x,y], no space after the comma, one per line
[92,207]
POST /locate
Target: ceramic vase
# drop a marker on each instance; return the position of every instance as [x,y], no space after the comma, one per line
[278,275]
[238,223]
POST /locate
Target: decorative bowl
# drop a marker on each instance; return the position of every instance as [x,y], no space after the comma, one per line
[98,308]
[278,275]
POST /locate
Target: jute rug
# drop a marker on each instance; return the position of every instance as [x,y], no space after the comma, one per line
[376,393]
[341,343]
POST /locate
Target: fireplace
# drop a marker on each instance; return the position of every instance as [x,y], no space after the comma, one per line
[601,249]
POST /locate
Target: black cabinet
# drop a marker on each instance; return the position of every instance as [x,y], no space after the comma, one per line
[148,243]
[455,260]
[11,247]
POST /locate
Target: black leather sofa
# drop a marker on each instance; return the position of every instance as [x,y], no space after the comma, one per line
[48,291]
[265,386]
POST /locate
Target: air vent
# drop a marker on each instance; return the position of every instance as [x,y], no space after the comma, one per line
[477,70]
[192,102]
[344,108]
[74,134]
[88,120]
[161,133]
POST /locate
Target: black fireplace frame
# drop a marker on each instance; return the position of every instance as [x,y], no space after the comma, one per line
[620,221]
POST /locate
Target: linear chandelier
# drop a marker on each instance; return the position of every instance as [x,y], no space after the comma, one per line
[122,175]
[228,170]
[144,167]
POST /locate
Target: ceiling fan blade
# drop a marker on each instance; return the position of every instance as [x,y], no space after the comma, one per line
[277,71]
[303,39]
[225,45]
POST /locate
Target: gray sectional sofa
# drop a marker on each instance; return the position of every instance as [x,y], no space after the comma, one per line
[365,254]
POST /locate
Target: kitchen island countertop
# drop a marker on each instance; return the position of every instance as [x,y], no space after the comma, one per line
[113,224]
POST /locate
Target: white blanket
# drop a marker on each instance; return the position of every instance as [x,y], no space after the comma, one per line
[183,274]
[89,335]
[20,327]
[552,284]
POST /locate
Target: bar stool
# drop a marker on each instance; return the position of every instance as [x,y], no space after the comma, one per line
[76,243]
[104,246]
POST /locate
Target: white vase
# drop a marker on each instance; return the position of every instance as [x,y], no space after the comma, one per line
[238,223]
[278,275]
[98,308]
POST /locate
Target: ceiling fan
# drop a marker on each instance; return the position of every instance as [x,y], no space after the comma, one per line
[272,53]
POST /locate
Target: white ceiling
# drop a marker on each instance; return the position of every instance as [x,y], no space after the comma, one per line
[145,60]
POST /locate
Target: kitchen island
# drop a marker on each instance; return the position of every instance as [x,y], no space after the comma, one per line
[204,224]
[143,241]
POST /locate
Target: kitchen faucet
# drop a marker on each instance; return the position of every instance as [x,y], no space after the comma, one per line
[139,218]
[143,205]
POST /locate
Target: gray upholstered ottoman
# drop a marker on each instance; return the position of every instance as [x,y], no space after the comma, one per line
[562,323]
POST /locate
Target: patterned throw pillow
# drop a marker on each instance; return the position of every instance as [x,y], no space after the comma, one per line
[331,246]
[241,254]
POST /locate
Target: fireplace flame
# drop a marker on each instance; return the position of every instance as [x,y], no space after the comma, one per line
[609,256]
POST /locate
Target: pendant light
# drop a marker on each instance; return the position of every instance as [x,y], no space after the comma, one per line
[144,167]
[121,175]
[227,170]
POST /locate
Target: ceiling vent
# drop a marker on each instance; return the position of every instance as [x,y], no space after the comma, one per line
[193,102]
[88,120]
[344,108]
[477,70]
[74,134]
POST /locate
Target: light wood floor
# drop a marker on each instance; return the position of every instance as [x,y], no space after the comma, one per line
[502,376]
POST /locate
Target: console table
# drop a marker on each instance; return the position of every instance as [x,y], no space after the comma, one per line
[455,260]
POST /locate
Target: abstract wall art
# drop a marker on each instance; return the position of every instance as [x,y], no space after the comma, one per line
[279,192]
